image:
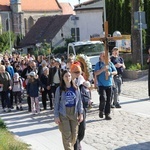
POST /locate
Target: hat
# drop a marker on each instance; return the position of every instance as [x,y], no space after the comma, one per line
[75,68]
[16,74]
[58,60]
[87,84]
[115,48]
[45,68]
[32,73]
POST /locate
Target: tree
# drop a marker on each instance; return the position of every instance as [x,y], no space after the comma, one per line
[135,34]
[5,41]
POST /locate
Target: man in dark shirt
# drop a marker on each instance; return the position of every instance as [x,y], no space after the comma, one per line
[120,66]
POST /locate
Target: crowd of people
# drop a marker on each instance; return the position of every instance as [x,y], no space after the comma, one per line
[62,82]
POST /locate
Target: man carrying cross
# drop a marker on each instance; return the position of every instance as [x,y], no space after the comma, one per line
[104,76]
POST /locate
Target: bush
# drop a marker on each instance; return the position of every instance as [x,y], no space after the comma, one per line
[2,124]
[130,66]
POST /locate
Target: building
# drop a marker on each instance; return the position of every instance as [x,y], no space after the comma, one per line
[20,15]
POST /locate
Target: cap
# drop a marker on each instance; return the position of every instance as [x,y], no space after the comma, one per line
[16,74]
[32,73]
[115,48]
[58,60]
[43,62]
[45,68]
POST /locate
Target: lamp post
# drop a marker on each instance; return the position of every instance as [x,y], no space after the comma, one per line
[8,17]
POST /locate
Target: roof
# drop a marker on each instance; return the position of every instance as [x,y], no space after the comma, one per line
[4,5]
[91,4]
[66,8]
[33,5]
[44,29]
[40,5]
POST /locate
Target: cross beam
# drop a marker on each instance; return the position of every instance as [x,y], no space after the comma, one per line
[105,40]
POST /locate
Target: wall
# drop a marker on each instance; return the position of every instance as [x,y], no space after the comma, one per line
[90,22]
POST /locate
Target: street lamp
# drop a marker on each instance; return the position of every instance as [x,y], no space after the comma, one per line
[8,17]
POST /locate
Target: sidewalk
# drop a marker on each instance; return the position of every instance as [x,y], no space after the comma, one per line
[128,129]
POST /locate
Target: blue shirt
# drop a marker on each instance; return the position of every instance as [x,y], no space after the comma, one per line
[70,97]
[101,78]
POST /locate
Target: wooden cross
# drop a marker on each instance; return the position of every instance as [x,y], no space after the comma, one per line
[105,40]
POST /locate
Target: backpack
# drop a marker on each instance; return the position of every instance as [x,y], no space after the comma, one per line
[85,95]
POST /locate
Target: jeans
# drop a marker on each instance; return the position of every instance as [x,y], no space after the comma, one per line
[105,99]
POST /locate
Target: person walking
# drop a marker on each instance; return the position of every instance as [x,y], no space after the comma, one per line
[68,110]
[148,62]
[54,79]
[44,91]
[5,87]
[104,85]
[17,88]
[120,66]
[33,91]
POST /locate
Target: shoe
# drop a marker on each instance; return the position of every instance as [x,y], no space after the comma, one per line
[51,108]
[17,108]
[21,108]
[107,117]
[101,114]
[9,110]
[12,107]
[112,106]
[118,106]
[4,110]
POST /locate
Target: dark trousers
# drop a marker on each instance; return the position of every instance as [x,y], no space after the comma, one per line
[105,99]
[29,103]
[44,98]
[81,131]
[11,98]
[51,92]
[17,96]
[5,99]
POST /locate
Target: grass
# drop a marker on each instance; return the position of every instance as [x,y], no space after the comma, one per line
[8,141]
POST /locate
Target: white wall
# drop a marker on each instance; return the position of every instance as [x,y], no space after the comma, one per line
[90,22]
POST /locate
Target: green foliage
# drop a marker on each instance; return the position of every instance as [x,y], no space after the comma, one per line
[10,142]
[60,50]
[137,66]
[5,41]
[2,124]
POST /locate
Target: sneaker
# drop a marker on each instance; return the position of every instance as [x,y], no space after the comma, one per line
[101,114]
[21,108]
[51,108]
[112,106]
[107,117]
[118,106]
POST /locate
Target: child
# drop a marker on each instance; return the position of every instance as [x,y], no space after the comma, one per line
[17,88]
[33,91]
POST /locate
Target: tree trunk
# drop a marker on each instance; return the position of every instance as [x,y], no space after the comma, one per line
[135,34]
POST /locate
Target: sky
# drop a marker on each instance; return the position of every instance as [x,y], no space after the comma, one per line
[73,2]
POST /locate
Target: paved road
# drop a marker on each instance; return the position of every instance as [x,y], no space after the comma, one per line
[128,130]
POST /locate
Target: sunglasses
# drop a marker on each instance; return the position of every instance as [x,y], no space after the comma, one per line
[77,72]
